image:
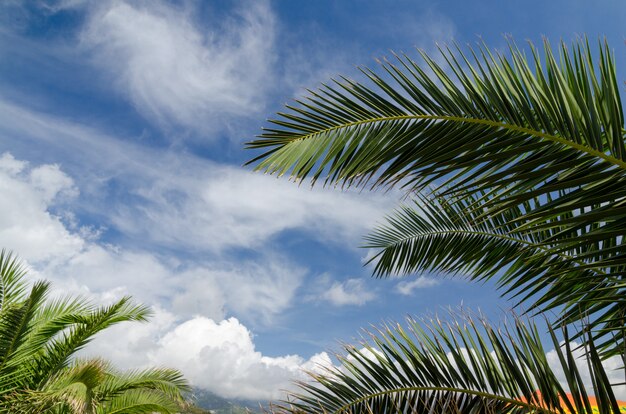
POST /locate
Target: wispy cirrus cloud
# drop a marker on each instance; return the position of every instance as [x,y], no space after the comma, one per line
[178,71]
[182,201]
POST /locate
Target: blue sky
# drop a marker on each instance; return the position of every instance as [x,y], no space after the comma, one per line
[121,148]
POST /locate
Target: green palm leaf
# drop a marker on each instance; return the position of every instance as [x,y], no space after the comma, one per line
[532,147]
[463,366]
[168,382]
[12,286]
[38,340]
[435,235]
[140,402]
[93,386]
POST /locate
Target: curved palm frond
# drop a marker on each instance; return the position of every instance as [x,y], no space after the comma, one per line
[437,235]
[534,145]
[463,366]
[168,382]
[93,386]
[72,389]
[504,114]
[12,286]
[80,329]
[140,402]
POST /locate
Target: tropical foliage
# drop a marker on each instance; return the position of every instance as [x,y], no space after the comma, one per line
[516,165]
[462,366]
[39,338]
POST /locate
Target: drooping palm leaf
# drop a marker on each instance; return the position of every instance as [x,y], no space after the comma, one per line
[168,382]
[536,141]
[463,366]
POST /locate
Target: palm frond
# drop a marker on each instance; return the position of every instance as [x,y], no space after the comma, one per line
[12,286]
[464,365]
[81,328]
[140,402]
[169,382]
[74,386]
[39,337]
[15,327]
[427,125]
[534,142]
[436,235]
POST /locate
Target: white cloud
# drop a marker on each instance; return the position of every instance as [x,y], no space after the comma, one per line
[350,292]
[180,71]
[26,225]
[52,182]
[183,201]
[222,357]
[217,356]
[259,290]
[408,287]
[614,368]
[225,206]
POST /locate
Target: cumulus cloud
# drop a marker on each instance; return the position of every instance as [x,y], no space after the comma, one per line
[222,357]
[178,71]
[26,225]
[409,286]
[218,356]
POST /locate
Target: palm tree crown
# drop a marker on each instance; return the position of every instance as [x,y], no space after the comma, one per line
[39,338]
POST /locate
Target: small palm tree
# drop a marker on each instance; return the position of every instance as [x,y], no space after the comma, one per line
[39,338]
[516,166]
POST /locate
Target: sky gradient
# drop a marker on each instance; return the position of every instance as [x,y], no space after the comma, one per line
[121,148]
